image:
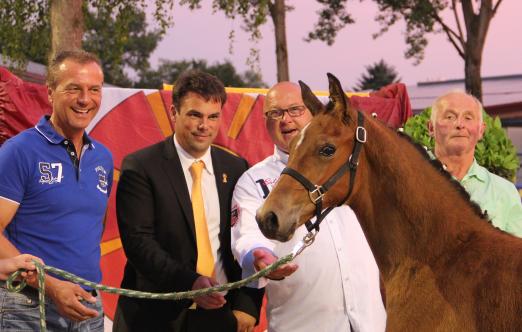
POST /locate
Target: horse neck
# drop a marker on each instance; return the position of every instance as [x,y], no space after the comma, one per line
[406,208]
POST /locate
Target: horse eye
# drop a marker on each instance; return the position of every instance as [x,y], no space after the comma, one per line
[327,150]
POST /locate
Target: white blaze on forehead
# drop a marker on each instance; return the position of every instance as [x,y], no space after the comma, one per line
[301,136]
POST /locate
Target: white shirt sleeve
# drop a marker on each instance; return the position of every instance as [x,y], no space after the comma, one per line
[246,235]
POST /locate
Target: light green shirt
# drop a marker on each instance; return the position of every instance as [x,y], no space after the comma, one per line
[496,196]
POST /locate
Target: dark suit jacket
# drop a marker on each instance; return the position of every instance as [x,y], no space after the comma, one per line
[156,225]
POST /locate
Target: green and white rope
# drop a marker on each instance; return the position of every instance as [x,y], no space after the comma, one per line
[41,269]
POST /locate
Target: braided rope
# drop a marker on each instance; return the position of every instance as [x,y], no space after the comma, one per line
[40,268]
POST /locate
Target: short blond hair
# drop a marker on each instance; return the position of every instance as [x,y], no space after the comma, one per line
[79,56]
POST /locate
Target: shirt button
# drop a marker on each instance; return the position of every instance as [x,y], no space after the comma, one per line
[29,301]
[65,142]
[72,153]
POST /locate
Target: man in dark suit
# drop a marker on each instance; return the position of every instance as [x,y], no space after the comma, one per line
[174,221]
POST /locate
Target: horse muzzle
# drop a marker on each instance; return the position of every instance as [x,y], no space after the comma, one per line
[271,228]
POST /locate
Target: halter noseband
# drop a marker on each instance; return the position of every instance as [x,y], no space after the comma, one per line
[317,192]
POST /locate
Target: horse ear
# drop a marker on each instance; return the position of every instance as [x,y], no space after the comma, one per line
[338,97]
[310,99]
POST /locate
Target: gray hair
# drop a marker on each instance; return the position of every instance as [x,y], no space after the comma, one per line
[435,107]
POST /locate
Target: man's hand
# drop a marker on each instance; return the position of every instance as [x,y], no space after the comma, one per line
[211,301]
[263,258]
[10,265]
[245,322]
[67,296]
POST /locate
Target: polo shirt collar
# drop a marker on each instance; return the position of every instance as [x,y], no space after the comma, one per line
[187,160]
[476,171]
[45,128]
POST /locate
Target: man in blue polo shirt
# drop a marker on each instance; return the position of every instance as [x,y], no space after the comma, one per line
[54,184]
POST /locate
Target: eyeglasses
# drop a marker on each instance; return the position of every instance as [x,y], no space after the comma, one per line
[277,114]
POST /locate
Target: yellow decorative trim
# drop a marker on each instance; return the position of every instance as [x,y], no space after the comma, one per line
[116,175]
[243,110]
[169,87]
[156,103]
[110,246]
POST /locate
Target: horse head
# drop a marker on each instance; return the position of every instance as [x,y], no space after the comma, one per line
[319,167]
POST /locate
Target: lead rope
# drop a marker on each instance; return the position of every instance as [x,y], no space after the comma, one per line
[41,269]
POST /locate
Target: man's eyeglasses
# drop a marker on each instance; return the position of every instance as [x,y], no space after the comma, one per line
[277,114]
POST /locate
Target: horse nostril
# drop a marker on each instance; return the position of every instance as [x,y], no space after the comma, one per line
[269,225]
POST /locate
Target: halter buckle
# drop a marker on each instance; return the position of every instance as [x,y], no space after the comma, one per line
[352,164]
[360,134]
[319,191]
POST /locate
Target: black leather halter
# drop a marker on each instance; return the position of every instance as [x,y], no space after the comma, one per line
[316,192]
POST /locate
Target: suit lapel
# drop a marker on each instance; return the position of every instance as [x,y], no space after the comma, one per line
[176,178]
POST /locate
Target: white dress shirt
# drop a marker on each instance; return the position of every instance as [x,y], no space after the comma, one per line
[210,199]
[337,283]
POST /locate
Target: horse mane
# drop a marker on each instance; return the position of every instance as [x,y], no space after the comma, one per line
[437,164]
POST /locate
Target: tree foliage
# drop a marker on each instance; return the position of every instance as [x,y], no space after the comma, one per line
[115,30]
[495,151]
[377,75]
[121,41]
[467,32]
[24,30]
[168,72]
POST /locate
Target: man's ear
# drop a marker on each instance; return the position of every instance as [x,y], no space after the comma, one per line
[50,95]
[431,128]
[482,130]
[172,114]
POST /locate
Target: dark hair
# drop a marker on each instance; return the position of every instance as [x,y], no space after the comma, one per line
[206,85]
[79,56]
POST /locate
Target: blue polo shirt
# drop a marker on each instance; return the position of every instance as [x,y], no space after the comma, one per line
[62,205]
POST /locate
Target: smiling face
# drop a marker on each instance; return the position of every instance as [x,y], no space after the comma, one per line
[76,96]
[197,123]
[283,96]
[456,125]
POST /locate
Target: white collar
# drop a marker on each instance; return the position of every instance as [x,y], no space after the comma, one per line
[280,155]
[187,159]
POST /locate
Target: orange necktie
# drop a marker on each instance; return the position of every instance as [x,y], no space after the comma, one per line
[205,263]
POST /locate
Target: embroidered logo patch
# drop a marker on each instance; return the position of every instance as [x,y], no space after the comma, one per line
[266,185]
[50,173]
[102,179]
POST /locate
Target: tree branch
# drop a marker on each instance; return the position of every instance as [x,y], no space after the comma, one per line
[451,36]
[457,21]
[496,7]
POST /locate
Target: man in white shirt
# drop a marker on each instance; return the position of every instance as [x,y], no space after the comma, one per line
[334,284]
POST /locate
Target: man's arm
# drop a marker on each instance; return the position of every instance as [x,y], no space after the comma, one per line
[250,247]
[63,293]
[514,214]
[8,209]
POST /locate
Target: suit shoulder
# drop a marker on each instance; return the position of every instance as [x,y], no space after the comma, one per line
[228,156]
[149,152]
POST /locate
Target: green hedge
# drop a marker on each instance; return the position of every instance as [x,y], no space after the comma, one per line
[495,151]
